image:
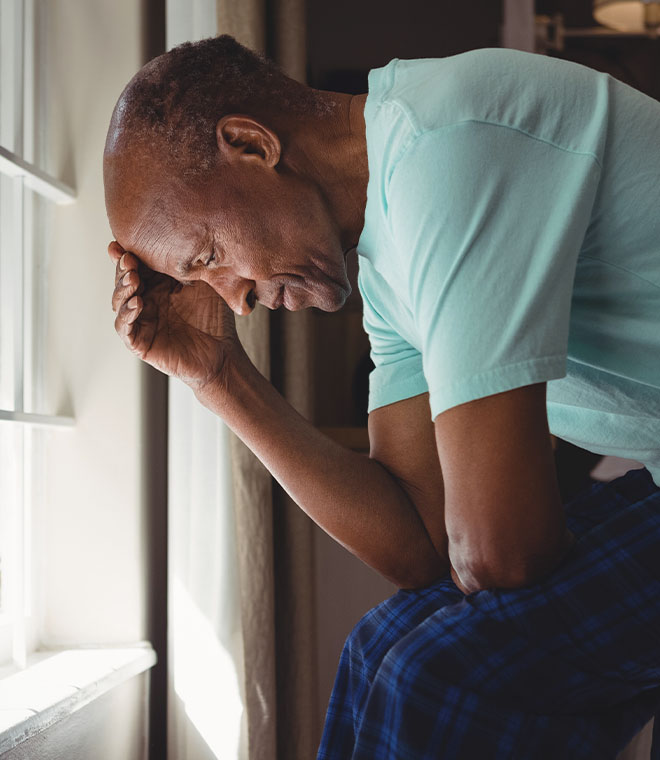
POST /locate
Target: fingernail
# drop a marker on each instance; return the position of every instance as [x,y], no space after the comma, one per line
[132,304]
[122,262]
[126,278]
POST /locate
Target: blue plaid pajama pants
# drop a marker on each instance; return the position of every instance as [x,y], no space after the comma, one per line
[567,668]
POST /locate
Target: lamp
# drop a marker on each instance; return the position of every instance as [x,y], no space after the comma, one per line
[628,15]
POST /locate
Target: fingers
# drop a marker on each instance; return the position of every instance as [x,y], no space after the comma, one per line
[127,262]
[125,320]
[127,284]
[122,259]
[127,279]
[115,251]
[126,301]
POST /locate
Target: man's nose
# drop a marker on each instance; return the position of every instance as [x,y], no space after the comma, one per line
[239,295]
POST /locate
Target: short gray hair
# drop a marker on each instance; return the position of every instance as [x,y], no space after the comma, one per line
[176,100]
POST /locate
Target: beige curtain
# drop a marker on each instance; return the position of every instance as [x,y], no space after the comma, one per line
[275,539]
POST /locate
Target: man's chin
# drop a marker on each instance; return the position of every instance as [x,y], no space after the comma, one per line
[327,301]
[335,299]
[330,307]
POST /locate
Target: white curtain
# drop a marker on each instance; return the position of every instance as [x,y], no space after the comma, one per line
[205,703]
[223,637]
[206,715]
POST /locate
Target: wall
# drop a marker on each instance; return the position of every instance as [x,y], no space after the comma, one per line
[350,36]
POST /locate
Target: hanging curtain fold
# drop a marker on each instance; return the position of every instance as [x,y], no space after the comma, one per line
[280,674]
[241,656]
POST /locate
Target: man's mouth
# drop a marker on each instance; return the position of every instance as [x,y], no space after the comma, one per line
[279,299]
[292,297]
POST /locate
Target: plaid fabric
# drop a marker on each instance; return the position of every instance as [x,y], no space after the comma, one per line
[565,669]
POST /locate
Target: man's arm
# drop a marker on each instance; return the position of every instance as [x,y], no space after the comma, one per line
[503,510]
[190,333]
[354,498]
[402,439]
[502,518]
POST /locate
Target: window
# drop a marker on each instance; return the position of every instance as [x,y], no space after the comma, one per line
[26,195]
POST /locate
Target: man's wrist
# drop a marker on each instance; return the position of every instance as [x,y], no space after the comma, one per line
[217,386]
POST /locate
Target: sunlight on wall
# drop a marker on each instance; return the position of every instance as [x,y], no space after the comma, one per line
[205,678]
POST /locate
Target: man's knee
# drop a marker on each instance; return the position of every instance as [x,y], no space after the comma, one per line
[373,626]
[386,623]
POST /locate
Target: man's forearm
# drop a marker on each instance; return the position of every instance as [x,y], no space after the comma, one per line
[352,497]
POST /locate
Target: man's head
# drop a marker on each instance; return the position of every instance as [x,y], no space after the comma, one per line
[219,167]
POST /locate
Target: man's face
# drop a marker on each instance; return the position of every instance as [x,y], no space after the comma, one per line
[251,233]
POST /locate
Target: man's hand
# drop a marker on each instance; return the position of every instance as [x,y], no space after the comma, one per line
[184,331]
[190,332]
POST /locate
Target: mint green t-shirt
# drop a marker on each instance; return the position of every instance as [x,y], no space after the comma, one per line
[512,236]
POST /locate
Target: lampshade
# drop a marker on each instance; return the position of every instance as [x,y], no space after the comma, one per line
[628,15]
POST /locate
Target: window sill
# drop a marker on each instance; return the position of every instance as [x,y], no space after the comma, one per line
[57,683]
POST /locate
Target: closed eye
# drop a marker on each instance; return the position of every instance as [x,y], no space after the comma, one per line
[211,258]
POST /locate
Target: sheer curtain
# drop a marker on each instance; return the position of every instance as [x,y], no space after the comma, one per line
[207,719]
[224,627]
[205,643]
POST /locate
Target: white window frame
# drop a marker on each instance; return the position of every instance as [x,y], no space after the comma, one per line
[22,325]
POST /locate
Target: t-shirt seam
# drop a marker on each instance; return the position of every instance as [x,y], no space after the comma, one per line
[388,98]
[640,416]
[410,139]
[392,329]
[417,373]
[547,358]
[368,301]
[410,384]
[622,268]
[419,134]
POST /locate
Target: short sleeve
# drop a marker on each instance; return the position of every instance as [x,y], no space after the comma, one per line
[488,223]
[398,372]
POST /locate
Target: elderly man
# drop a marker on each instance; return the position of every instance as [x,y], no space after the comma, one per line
[504,208]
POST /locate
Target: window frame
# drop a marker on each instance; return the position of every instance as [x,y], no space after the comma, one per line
[23,185]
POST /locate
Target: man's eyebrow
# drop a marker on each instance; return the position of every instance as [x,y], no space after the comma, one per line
[181,272]
[184,267]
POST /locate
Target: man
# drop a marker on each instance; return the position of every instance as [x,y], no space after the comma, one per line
[504,209]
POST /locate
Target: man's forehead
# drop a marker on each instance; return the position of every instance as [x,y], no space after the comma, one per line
[154,215]
[162,244]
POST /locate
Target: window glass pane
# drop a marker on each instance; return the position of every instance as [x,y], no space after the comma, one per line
[10,295]
[22,280]
[11,74]
[22,213]
[23,283]
[11,474]
[36,212]
[10,55]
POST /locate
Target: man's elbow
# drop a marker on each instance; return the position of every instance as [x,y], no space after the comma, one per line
[523,566]
[479,576]
[506,572]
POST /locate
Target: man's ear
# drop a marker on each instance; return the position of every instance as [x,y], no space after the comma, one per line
[241,137]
